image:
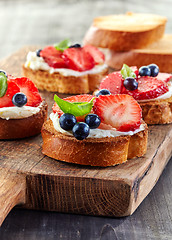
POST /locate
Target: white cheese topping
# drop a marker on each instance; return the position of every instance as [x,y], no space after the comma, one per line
[18,112]
[94,133]
[37,63]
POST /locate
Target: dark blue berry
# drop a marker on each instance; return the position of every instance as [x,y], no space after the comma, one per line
[3,72]
[130,83]
[92,120]
[38,52]
[103,92]
[19,99]
[144,71]
[154,70]
[77,45]
[67,121]
[81,130]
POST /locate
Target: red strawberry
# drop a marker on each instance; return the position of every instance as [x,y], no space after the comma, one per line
[120,111]
[112,82]
[148,88]
[77,98]
[165,77]
[97,55]
[6,100]
[53,57]
[135,70]
[78,59]
[27,87]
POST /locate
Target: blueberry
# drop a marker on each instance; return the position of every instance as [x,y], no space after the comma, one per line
[144,71]
[130,83]
[77,45]
[103,92]
[92,120]
[38,52]
[67,121]
[3,72]
[19,99]
[81,130]
[154,70]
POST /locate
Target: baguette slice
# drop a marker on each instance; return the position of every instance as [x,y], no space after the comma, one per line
[125,32]
[159,53]
[92,151]
[57,82]
[25,127]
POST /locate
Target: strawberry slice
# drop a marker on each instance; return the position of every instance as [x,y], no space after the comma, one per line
[78,59]
[112,82]
[165,77]
[53,57]
[120,111]
[27,87]
[6,100]
[77,98]
[97,55]
[148,88]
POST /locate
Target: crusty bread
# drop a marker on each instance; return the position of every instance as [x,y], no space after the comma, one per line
[159,53]
[56,82]
[125,32]
[25,127]
[92,151]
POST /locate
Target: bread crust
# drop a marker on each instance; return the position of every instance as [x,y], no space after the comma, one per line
[25,127]
[56,82]
[102,152]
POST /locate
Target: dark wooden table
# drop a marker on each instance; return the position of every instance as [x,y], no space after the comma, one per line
[45,22]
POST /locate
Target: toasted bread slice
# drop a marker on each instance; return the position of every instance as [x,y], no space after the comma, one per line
[24,127]
[92,151]
[125,32]
[159,53]
[57,82]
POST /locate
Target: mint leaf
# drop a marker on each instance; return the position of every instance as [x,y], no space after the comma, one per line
[3,84]
[76,108]
[62,45]
[126,71]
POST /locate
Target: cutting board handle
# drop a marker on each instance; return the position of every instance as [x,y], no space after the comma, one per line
[12,192]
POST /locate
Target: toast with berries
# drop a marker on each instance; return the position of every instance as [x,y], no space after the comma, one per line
[72,69]
[22,110]
[102,131]
[124,32]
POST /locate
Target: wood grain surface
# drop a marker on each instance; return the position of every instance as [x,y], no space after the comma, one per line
[56,186]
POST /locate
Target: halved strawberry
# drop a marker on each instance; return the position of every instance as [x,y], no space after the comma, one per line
[78,59]
[27,87]
[165,77]
[6,100]
[53,57]
[97,55]
[120,111]
[112,82]
[77,98]
[148,88]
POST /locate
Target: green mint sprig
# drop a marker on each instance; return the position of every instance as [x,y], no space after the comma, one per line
[126,71]
[63,45]
[3,84]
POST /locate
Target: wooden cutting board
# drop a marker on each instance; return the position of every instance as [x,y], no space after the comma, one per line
[35,181]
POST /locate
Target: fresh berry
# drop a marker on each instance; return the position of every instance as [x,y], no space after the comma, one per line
[53,57]
[112,82]
[97,55]
[3,72]
[77,45]
[144,71]
[6,100]
[148,88]
[130,83]
[81,130]
[120,111]
[77,98]
[27,87]
[135,70]
[38,52]
[154,70]
[19,99]
[103,92]
[67,121]
[92,120]
[165,77]
[78,59]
